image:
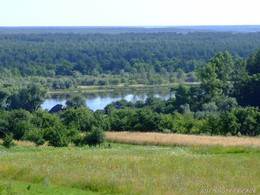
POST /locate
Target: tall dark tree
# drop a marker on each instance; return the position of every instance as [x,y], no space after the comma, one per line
[247,91]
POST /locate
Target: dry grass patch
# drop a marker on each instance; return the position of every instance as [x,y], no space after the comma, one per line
[179,139]
[21,143]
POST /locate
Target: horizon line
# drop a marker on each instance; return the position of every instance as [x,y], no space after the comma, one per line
[136,26]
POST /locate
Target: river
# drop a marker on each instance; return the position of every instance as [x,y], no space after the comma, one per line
[98,101]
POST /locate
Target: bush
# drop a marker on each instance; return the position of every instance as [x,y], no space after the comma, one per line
[8,141]
[78,141]
[95,137]
[57,136]
[57,139]
[35,135]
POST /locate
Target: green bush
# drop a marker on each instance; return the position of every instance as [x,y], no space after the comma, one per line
[35,135]
[78,141]
[95,137]
[8,141]
[57,136]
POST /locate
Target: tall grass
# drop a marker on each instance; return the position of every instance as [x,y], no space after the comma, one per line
[128,169]
[180,139]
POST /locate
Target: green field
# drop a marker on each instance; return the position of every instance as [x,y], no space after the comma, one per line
[129,169]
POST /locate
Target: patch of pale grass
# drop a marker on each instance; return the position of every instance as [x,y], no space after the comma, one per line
[24,143]
[21,143]
[180,139]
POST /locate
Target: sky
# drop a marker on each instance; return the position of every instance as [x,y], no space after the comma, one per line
[128,12]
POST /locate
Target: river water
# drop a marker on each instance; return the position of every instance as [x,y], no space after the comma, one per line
[98,101]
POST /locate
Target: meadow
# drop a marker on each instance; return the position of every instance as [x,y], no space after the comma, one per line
[129,169]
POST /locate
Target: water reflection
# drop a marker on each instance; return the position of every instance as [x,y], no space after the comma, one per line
[96,101]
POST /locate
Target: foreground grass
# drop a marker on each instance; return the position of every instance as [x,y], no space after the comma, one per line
[133,169]
[180,139]
[25,188]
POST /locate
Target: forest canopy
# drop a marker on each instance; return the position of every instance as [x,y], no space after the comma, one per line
[95,53]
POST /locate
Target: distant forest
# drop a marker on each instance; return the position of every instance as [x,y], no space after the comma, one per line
[54,54]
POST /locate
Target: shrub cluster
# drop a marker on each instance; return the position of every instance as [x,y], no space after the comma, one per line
[57,129]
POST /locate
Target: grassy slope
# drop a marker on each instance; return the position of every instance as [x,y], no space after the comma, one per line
[132,169]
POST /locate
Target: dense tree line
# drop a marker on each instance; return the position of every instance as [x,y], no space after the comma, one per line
[96,53]
[81,126]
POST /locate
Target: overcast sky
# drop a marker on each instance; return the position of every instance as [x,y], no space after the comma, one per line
[128,12]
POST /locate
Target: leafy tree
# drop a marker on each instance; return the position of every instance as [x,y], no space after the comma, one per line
[227,104]
[228,123]
[167,123]
[29,98]
[181,75]
[19,123]
[81,119]
[121,120]
[4,123]
[42,119]
[101,120]
[146,120]
[155,104]
[247,91]
[76,102]
[4,94]
[239,72]
[184,123]
[182,96]
[215,76]
[212,125]
[249,120]
[208,109]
